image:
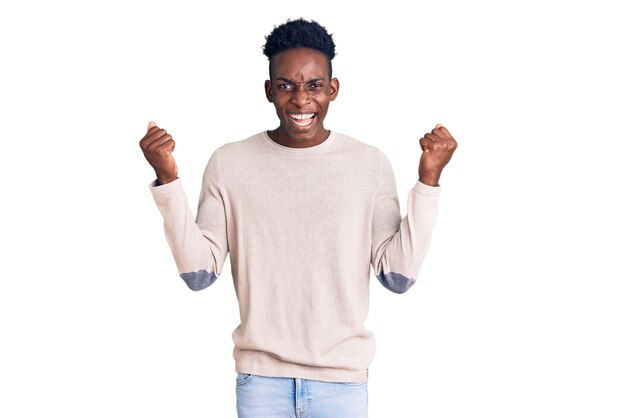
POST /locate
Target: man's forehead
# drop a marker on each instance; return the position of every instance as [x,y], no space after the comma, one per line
[300,65]
[300,76]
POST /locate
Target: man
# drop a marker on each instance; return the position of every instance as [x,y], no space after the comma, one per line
[304,212]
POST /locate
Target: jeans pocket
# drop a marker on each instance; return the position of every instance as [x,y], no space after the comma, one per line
[243,378]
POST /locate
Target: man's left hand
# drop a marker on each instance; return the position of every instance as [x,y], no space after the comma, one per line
[437,149]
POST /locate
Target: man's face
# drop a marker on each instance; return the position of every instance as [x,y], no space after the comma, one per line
[301,91]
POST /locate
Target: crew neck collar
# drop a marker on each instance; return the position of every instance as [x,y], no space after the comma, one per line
[303,150]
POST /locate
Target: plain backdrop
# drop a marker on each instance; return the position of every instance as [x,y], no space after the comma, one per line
[519,308]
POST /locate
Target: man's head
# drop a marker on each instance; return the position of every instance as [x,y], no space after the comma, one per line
[300,34]
[300,85]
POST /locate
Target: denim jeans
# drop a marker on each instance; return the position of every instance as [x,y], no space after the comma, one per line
[284,397]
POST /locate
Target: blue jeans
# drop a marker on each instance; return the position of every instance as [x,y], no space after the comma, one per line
[284,397]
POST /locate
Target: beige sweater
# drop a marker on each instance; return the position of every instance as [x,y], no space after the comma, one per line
[302,226]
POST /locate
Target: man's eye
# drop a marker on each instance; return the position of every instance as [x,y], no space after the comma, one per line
[315,86]
[285,86]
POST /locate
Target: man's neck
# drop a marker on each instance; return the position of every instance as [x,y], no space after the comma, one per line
[280,137]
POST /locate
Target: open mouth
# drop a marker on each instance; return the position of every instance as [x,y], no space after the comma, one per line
[302,119]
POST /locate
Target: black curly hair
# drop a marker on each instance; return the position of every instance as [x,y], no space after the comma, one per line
[300,33]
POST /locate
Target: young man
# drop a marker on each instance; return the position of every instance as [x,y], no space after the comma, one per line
[304,212]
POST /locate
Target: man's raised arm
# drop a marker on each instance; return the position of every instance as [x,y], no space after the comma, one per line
[399,245]
[199,246]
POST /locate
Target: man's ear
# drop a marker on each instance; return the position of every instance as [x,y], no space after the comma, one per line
[268,90]
[334,88]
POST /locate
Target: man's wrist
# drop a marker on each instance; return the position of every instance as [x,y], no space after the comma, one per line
[430,181]
[164,180]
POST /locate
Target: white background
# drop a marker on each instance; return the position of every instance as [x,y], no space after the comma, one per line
[519,309]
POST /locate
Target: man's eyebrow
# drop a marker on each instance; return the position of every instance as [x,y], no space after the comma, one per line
[314,80]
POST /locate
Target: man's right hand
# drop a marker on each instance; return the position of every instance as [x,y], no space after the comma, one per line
[157,146]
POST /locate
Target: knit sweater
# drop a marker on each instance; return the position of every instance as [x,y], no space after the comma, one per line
[302,227]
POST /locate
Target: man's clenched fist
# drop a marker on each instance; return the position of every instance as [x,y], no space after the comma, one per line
[157,146]
[438,147]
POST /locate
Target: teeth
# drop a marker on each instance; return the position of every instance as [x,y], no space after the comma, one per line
[302,117]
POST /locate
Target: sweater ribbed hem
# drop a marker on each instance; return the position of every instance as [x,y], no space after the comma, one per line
[265,365]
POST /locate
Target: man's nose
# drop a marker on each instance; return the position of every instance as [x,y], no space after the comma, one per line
[301,96]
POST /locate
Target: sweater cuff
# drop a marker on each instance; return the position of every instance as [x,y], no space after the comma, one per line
[164,189]
[427,190]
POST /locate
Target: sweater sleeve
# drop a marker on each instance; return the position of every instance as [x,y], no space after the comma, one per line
[199,246]
[399,245]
